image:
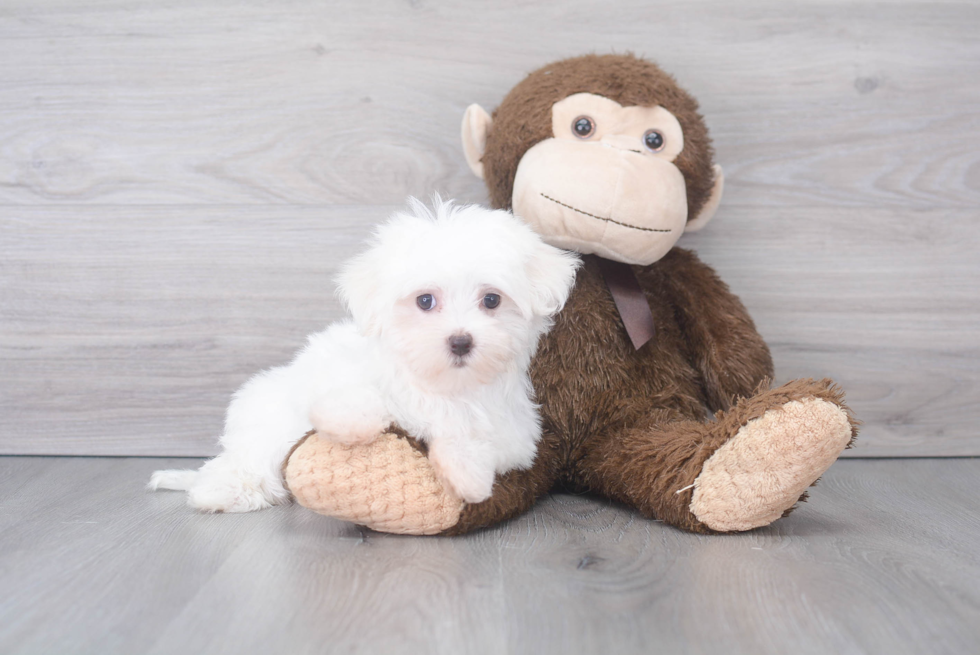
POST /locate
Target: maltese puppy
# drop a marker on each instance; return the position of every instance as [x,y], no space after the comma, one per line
[447,306]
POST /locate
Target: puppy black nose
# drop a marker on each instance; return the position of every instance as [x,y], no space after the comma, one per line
[460,344]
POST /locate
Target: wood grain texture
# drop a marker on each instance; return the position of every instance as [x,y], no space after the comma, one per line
[178,181]
[126,330]
[883,559]
[816,103]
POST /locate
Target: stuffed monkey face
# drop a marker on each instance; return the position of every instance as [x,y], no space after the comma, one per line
[605,183]
[605,180]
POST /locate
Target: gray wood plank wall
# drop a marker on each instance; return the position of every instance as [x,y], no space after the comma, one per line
[179,181]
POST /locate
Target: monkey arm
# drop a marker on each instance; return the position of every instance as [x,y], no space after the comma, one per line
[720,338]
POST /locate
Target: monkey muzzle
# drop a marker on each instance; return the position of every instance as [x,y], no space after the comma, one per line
[608,201]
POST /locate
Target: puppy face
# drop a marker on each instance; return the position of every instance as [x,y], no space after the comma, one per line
[457,335]
[457,295]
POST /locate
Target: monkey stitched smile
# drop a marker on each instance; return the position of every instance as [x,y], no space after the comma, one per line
[608,220]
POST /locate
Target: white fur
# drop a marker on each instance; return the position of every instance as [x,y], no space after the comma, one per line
[393,364]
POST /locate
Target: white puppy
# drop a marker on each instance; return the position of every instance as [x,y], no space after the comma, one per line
[447,308]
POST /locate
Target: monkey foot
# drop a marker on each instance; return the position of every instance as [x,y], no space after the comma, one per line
[386,485]
[762,471]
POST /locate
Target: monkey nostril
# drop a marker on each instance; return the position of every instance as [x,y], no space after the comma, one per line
[460,344]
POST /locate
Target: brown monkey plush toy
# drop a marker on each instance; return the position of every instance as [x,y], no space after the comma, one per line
[608,156]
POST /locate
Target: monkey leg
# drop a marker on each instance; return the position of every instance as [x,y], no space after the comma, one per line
[386,485]
[744,470]
[389,485]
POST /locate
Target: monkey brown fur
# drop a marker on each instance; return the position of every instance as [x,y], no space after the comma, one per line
[524,117]
[631,424]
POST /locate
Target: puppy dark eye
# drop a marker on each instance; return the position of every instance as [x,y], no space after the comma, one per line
[583,126]
[426,301]
[653,140]
[491,300]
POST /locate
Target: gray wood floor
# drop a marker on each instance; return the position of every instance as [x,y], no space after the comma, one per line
[883,559]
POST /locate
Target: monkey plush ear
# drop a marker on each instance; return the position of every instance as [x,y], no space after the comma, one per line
[709,208]
[476,124]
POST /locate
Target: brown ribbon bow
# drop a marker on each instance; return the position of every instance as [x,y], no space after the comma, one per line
[630,301]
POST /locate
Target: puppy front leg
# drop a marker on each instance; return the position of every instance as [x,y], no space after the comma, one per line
[465,465]
[354,415]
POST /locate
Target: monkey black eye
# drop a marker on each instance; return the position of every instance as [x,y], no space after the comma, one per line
[583,127]
[491,300]
[426,301]
[653,140]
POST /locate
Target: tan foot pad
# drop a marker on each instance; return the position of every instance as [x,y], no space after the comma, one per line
[764,469]
[386,485]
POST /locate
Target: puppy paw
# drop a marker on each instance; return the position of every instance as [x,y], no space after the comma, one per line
[472,485]
[347,423]
[472,493]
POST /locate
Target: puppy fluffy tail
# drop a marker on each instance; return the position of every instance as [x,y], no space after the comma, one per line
[174,479]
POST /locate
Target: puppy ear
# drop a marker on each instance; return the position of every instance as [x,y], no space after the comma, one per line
[551,272]
[359,287]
